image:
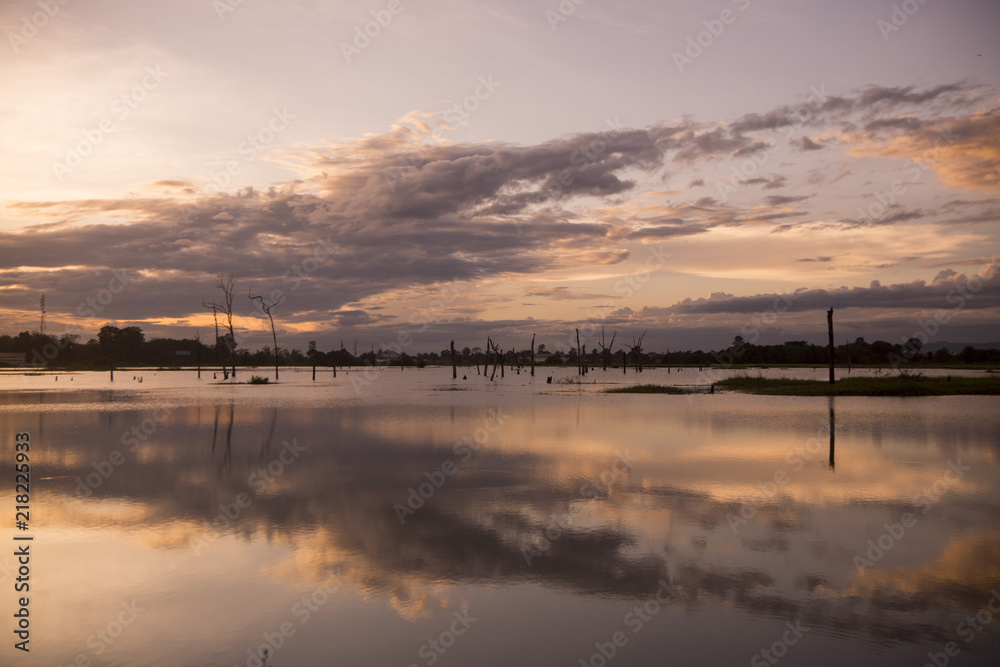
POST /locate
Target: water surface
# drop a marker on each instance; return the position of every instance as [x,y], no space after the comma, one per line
[401,517]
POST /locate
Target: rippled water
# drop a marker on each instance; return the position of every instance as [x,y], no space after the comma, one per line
[401,517]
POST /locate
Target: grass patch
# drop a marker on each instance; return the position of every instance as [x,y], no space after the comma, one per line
[257,379]
[646,389]
[893,385]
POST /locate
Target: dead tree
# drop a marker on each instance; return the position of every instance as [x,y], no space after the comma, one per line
[215,316]
[454,368]
[637,351]
[274,337]
[497,358]
[228,287]
[606,349]
[532,355]
[579,358]
[486,360]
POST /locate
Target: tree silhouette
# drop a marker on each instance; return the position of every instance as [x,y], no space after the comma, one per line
[267,309]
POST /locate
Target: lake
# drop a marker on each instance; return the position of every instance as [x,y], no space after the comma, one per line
[396,517]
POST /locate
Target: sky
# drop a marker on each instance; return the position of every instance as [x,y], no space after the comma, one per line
[409,172]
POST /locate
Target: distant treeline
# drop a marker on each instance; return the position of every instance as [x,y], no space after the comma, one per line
[127,346]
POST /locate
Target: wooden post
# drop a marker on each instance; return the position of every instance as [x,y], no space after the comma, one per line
[624,363]
[454,369]
[829,326]
[579,362]
[532,355]
[314,372]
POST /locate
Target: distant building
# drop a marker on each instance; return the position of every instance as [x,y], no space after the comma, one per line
[542,357]
[13,359]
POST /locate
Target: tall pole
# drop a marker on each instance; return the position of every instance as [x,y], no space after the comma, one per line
[829,326]
[454,369]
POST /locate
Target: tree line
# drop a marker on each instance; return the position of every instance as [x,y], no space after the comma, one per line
[128,346]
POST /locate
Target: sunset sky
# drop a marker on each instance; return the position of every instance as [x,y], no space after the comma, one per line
[437,170]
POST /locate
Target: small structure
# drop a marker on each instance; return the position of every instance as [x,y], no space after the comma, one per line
[13,359]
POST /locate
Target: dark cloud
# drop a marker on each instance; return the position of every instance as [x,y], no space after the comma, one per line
[807,144]
[782,200]
[773,182]
[979,293]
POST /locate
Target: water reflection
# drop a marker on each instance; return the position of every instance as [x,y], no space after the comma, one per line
[833,430]
[601,498]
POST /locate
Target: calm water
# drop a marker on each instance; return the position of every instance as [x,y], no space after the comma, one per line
[402,518]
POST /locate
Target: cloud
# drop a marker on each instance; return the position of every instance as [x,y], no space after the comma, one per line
[807,144]
[782,200]
[774,182]
[563,294]
[963,151]
[981,291]
[390,212]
